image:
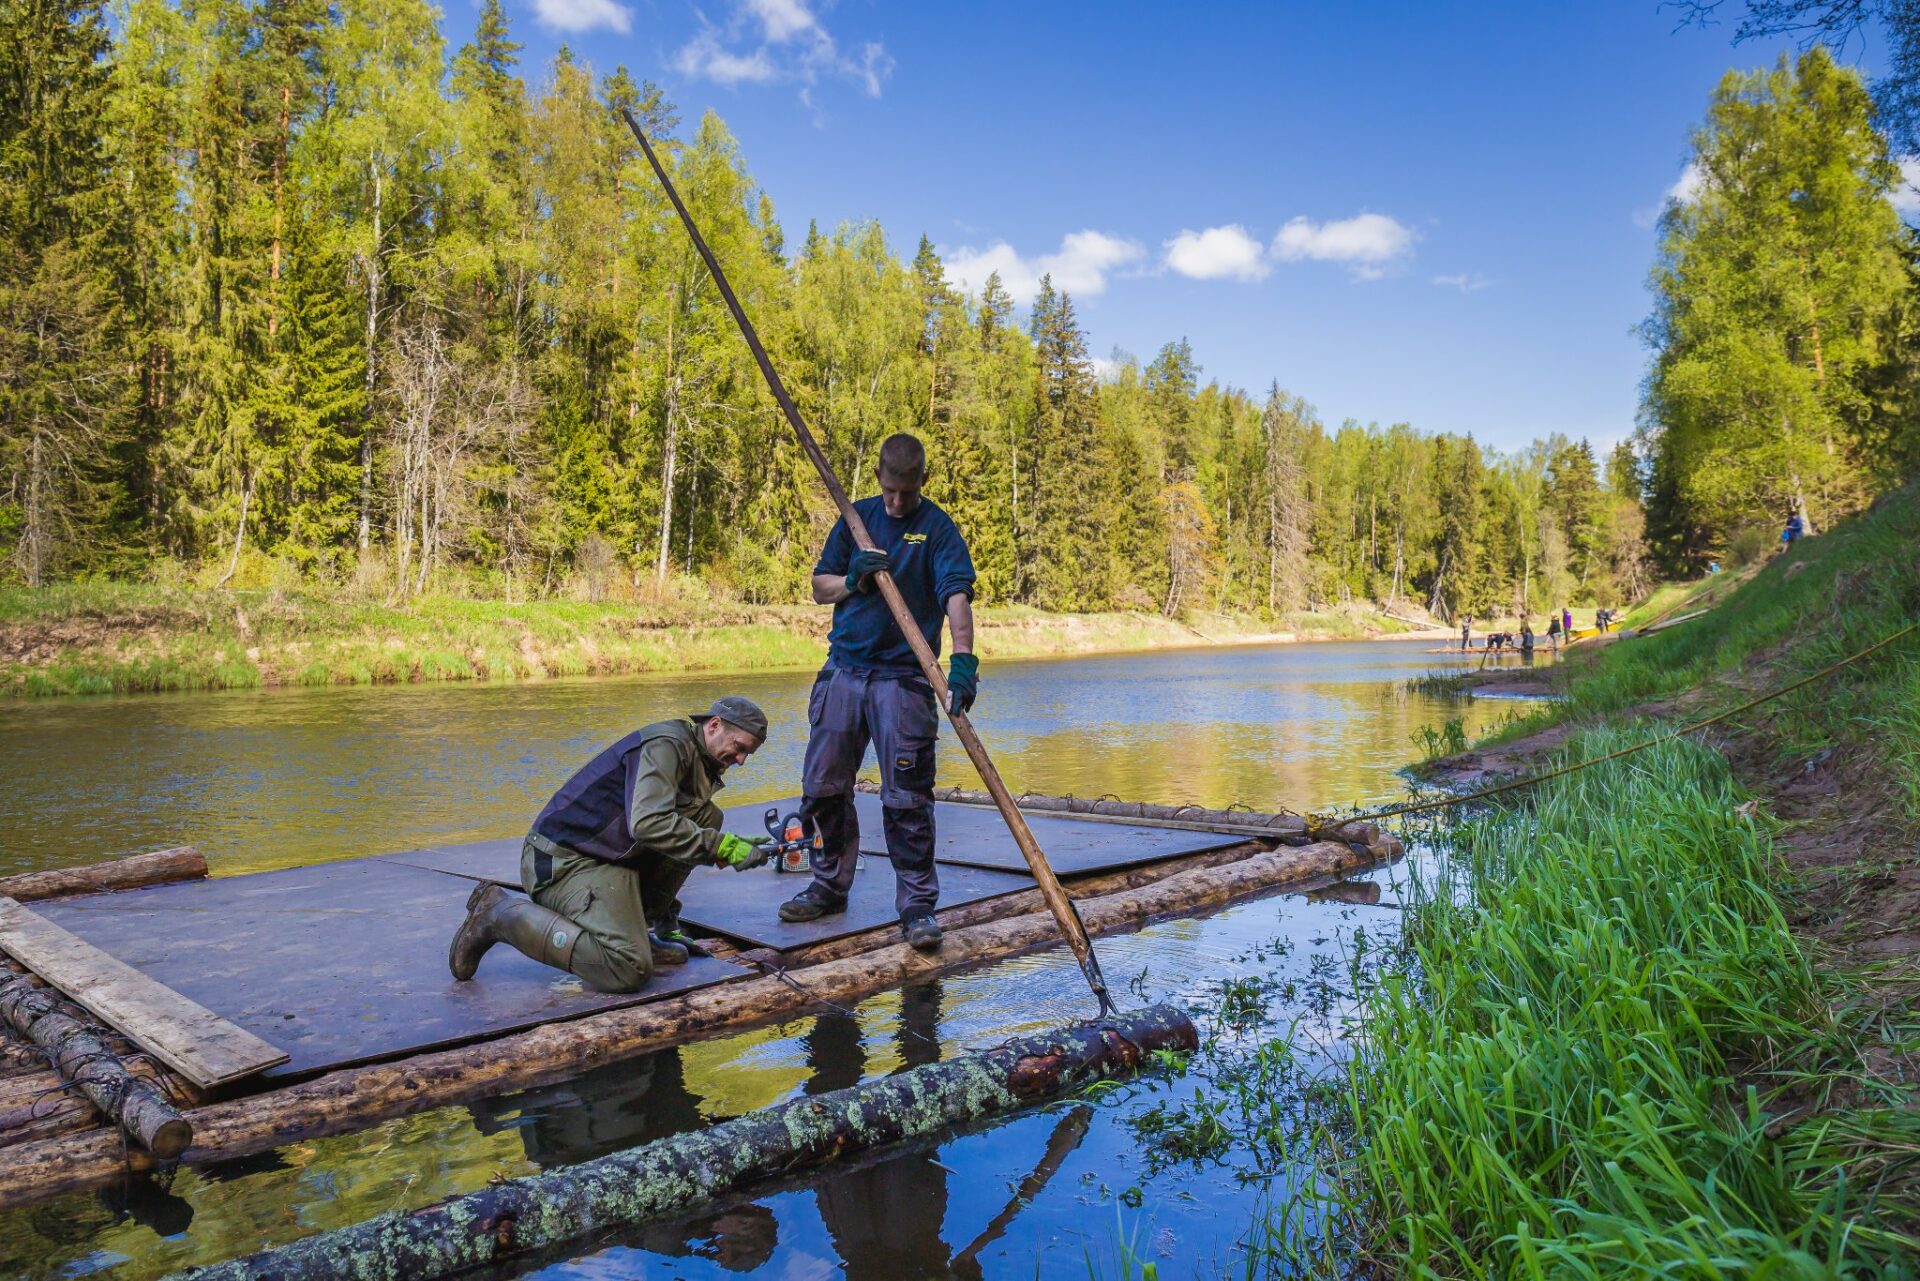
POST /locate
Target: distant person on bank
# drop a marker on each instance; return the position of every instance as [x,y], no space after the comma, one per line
[609,853]
[873,691]
[1790,535]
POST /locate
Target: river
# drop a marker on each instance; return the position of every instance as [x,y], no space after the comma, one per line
[1098,1186]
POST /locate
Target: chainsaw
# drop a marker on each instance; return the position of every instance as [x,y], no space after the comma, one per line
[792,848]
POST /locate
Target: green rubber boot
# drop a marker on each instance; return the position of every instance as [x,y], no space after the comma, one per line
[496,916]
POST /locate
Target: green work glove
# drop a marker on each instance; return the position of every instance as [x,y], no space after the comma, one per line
[963,682]
[866,562]
[742,852]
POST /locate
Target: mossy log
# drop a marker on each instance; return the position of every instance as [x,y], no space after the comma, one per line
[1291,828]
[80,1056]
[673,1175]
[355,1098]
[158,868]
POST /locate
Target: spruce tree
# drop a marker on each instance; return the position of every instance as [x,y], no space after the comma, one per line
[61,379]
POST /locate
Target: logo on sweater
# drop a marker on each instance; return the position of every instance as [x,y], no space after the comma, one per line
[913,538]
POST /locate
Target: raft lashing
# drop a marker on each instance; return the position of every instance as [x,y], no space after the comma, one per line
[282,1005]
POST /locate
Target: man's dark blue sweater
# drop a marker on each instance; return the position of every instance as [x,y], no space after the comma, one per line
[930,564]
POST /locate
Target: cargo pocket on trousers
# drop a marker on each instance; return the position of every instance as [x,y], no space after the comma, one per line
[909,773]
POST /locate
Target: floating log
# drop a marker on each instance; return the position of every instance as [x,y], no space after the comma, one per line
[355,1098]
[83,1058]
[158,868]
[1292,828]
[673,1175]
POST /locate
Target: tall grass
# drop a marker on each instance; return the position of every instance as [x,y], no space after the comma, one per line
[1578,1062]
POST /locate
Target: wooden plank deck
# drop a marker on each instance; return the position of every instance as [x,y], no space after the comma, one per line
[341,963]
[186,1036]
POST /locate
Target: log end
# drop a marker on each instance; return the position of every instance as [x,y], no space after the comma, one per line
[170,1138]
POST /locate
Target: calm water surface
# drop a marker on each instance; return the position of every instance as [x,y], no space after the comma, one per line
[278,778]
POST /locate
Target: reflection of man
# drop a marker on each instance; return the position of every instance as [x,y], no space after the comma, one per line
[613,847]
[620,1106]
[872,690]
[885,1218]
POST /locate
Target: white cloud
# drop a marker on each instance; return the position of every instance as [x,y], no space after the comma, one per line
[1105,368]
[1905,194]
[1687,186]
[1465,282]
[1080,266]
[782,20]
[765,41]
[1367,242]
[704,56]
[1685,190]
[1218,253]
[583,15]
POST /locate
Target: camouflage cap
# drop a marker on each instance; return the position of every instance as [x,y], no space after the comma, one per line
[741,713]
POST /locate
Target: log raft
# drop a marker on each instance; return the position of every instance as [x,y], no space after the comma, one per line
[53,1157]
[355,1098]
[673,1175]
[1294,829]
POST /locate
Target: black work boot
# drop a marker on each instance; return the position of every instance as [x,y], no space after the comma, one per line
[667,950]
[922,932]
[496,916]
[672,945]
[811,904]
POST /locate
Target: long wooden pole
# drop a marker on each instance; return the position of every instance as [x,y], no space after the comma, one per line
[1057,901]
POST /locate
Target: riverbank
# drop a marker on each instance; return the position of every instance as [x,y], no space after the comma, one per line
[106,638]
[1666,1008]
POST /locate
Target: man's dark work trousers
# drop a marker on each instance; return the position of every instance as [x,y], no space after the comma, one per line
[848,709]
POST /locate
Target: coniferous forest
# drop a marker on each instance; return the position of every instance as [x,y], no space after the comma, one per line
[298,293]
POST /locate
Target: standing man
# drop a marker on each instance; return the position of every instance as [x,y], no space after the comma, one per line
[613,847]
[872,690]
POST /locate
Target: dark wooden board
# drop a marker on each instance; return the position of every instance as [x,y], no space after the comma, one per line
[339,963]
[189,1038]
[745,905]
[976,836]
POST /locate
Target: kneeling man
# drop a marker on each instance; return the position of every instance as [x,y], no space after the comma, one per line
[612,848]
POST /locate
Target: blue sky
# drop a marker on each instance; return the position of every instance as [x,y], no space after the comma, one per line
[1431,213]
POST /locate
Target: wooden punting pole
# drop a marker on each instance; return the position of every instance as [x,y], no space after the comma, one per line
[1057,901]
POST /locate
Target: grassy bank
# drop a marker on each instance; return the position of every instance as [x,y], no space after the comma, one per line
[1600,1050]
[1831,597]
[1661,1017]
[102,638]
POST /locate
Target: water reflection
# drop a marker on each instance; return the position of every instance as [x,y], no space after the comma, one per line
[885,1219]
[275,778]
[619,1106]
